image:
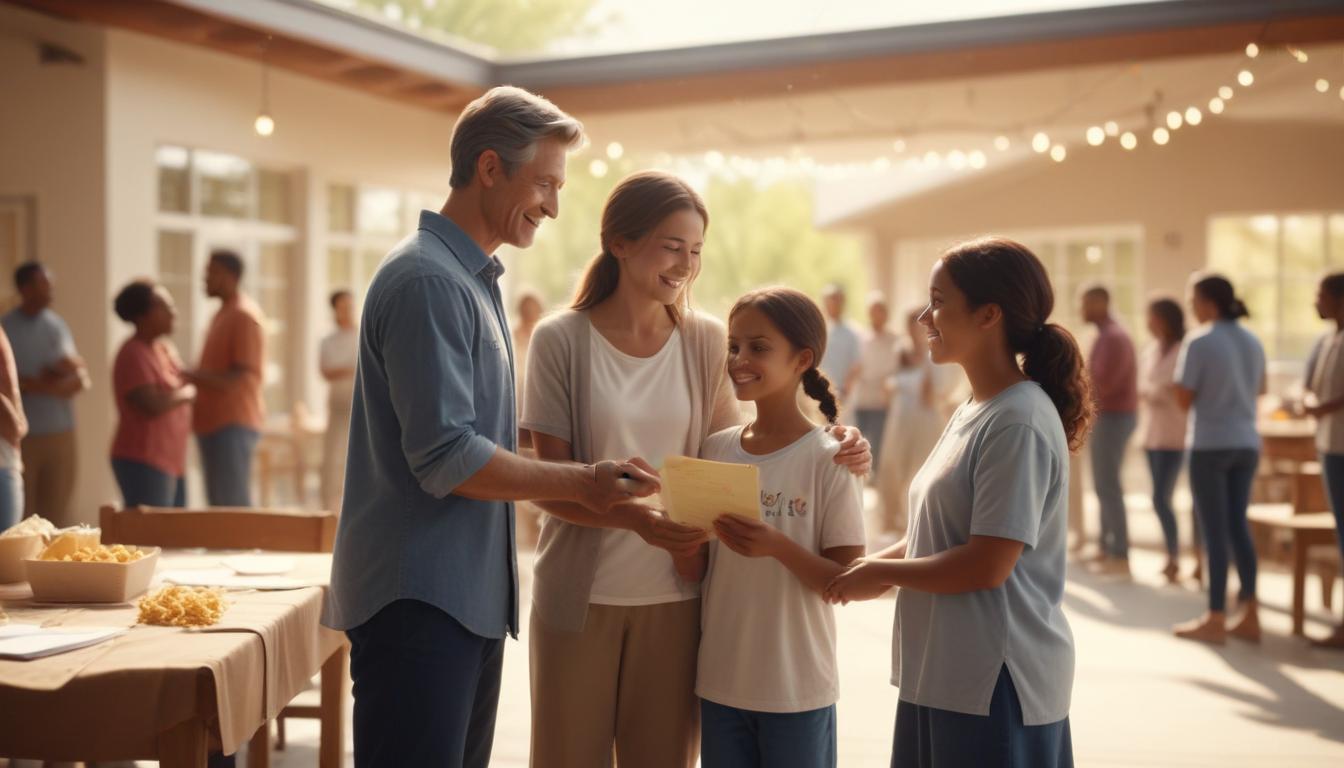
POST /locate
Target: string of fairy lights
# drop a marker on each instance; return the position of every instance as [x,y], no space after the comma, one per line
[1157,127]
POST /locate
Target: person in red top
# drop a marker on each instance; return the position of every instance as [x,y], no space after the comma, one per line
[229,412]
[1113,366]
[149,452]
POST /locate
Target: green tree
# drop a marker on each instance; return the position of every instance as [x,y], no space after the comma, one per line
[508,26]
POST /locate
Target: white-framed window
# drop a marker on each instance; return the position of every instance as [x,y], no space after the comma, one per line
[1275,261]
[364,223]
[209,200]
[1076,258]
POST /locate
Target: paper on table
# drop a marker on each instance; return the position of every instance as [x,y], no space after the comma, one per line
[258,565]
[227,579]
[698,491]
[30,641]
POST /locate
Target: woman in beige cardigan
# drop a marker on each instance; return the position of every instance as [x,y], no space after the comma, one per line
[615,628]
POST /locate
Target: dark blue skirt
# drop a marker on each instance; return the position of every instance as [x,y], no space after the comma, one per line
[937,738]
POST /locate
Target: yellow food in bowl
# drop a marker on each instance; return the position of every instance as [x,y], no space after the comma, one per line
[101,553]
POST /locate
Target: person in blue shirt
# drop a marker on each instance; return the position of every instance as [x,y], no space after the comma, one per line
[424,576]
[51,374]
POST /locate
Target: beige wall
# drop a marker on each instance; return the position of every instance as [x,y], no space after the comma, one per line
[82,140]
[1220,167]
[51,148]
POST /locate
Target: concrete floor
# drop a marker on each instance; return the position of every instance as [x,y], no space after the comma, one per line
[1140,697]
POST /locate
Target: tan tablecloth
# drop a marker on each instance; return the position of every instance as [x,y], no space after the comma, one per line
[113,699]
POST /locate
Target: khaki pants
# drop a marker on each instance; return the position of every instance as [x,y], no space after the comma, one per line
[49,476]
[628,679]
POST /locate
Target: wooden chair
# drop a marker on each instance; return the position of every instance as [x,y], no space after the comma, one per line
[1305,524]
[235,528]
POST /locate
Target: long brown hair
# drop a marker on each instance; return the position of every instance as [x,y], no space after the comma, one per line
[637,205]
[799,320]
[998,271]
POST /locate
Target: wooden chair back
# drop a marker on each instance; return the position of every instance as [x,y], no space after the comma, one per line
[220,528]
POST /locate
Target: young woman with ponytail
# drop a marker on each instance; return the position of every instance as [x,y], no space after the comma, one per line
[1220,374]
[982,653]
[767,676]
[615,600]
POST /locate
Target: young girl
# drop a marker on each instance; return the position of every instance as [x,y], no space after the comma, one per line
[982,653]
[767,675]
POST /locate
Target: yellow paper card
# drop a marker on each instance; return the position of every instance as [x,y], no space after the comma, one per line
[697,491]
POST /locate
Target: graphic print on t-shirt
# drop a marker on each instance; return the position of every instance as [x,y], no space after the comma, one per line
[772,505]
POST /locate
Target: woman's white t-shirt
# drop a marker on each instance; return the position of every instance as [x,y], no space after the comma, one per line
[767,641]
[640,406]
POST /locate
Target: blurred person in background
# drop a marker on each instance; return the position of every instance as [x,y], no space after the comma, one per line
[337,355]
[1164,424]
[1220,375]
[149,452]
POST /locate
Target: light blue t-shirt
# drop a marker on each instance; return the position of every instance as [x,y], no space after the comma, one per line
[1000,469]
[1224,365]
[39,342]
[843,348]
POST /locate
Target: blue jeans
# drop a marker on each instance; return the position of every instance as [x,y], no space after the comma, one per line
[938,738]
[1221,483]
[1109,438]
[142,484]
[1332,467]
[872,423]
[426,689]
[11,497]
[226,458]
[1165,467]
[741,738]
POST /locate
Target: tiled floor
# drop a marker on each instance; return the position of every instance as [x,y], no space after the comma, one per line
[1141,697]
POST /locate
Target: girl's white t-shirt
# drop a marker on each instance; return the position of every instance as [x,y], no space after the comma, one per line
[641,406]
[767,641]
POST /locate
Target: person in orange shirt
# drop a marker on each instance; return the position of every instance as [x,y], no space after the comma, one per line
[229,410]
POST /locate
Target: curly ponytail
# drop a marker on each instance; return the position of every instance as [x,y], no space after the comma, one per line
[799,320]
[818,387]
[1053,360]
[999,271]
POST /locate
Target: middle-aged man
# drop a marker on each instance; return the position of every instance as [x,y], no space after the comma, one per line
[425,578]
[1115,380]
[230,412]
[51,373]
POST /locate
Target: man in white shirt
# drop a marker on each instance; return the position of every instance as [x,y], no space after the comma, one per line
[1325,384]
[336,358]
[878,361]
[841,360]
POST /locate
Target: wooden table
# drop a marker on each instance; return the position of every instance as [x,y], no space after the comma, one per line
[1288,440]
[171,694]
[1307,531]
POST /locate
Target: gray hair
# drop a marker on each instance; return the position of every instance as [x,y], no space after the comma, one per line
[509,121]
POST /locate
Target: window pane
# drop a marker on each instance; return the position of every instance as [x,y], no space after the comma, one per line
[275,261]
[340,208]
[340,268]
[175,274]
[1303,246]
[380,211]
[1337,241]
[274,191]
[174,179]
[225,185]
[1244,245]
[1125,253]
[370,259]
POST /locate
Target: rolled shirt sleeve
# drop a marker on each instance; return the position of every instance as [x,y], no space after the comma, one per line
[427,351]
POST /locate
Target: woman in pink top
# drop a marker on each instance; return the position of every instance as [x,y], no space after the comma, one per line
[1164,423]
[149,453]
